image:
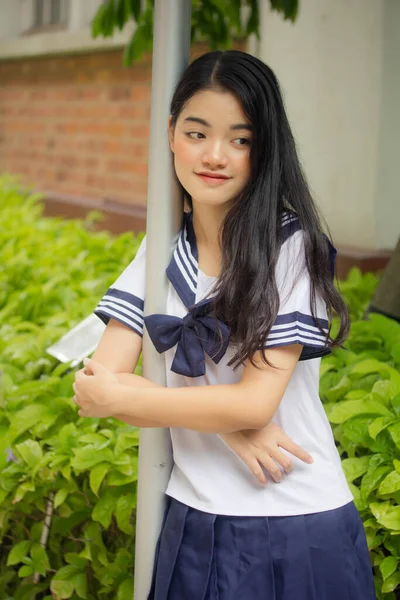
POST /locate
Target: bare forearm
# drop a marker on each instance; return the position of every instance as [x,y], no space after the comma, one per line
[128,379]
[212,409]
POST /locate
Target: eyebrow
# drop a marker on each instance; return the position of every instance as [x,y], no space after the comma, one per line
[207,124]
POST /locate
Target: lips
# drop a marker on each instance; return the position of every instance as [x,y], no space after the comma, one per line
[213,178]
[212,175]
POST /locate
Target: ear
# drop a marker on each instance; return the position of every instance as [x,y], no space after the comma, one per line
[171,132]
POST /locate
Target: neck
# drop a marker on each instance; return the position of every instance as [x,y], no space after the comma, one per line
[207,221]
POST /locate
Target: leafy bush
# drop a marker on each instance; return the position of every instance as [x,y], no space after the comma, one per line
[68,485]
[81,473]
[360,388]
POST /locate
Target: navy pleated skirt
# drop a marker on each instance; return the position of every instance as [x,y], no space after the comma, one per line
[321,556]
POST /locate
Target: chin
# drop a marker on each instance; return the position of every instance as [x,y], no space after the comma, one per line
[211,201]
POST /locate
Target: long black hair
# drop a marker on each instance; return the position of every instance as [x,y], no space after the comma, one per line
[251,232]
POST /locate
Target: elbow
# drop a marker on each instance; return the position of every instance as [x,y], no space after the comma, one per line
[250,418]
[257,420]
[257,412]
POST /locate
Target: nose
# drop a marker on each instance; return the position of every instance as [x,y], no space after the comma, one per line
[215,155]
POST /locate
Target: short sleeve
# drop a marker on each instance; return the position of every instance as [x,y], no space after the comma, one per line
[124,301]
[294,323]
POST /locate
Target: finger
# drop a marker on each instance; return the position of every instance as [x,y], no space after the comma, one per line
[271,466]
[84,371]
[282,459]
[94,366]
[75,399]
[290,446]
[254,466]
[80,375]
[257,471]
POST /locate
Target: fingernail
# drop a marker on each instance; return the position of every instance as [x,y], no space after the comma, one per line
[85,361]
[310,460]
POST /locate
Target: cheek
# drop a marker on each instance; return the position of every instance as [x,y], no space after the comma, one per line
[185,154]
[241,165]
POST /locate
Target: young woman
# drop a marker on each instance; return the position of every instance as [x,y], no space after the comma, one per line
[247,319]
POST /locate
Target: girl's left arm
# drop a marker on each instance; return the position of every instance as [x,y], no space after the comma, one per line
[248,404]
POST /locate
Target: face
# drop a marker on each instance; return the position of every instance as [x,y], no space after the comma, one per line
[211,145]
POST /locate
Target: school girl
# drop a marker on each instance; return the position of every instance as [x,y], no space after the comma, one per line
[247,320]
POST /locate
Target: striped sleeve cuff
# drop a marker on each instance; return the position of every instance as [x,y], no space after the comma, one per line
[123,307]
[298,328]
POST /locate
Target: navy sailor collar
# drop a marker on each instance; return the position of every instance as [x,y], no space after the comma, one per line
[183,268]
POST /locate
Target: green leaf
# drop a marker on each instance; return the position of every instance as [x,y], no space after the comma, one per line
[80,583]
[87,457]
[124,508]
[355,467]
[28,417]
[60,497]
[379,425]
[126,440]
[18,552]
[76,559]
[62,589]
[25,571]
[388,566]
[395,402]
[372,478]
[391,519]
[104,508]
[63,581]
[390,484]
[342,411]
[115,478]
[395,352]
[125,590]
[356,430]
[384,389]
[40,559]
[359,501]
[98,441]
[30,451]
[394,431]
[339,390]
[391,583]
[22,489]
[368,366]
[97,475]
[379,509]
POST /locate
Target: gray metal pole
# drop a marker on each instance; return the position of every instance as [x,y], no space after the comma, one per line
[171,46]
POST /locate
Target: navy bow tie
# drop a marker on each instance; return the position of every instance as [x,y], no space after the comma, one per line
[196,334]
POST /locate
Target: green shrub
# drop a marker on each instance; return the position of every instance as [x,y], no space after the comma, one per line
[360,387]
[82,473]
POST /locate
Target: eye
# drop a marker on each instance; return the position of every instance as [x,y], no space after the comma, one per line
[242,141]
[195,135]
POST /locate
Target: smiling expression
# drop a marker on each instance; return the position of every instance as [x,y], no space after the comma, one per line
[211,145]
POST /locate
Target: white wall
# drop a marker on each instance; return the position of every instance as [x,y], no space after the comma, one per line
[387,199]
[16,17]
[336,65]
[9,18]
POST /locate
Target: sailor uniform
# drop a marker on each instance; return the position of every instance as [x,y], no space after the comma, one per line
[226,537]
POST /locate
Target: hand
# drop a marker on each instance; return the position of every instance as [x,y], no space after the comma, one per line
[94,389]
[262,447]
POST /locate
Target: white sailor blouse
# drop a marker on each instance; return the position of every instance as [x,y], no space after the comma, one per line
[198,333]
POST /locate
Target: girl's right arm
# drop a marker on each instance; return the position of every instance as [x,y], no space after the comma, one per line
[119,350]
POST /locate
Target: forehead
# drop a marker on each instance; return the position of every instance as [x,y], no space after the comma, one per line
[219,108]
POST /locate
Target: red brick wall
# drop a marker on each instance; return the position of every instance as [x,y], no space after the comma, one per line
[77,124]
